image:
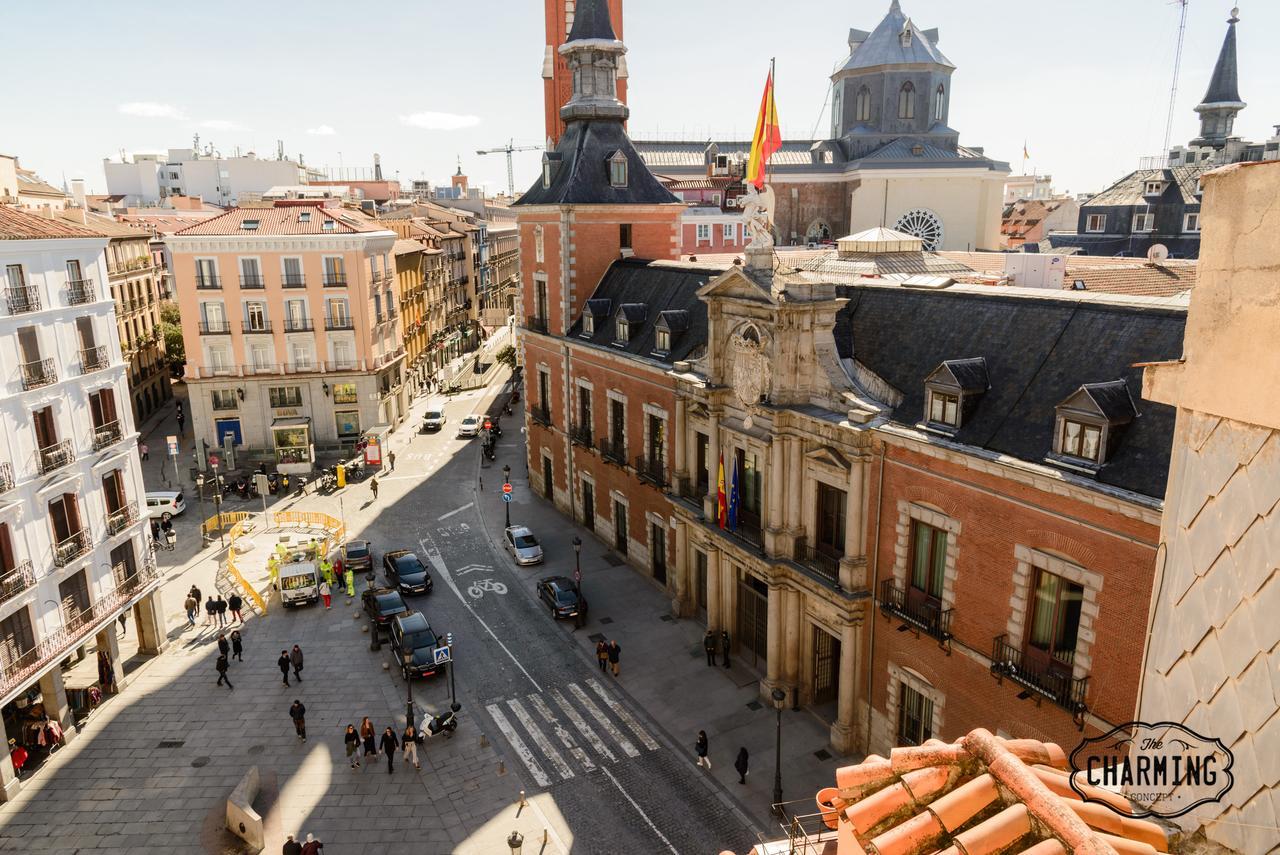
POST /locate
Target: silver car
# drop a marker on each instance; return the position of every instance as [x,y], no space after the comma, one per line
[469,426]
[522,545]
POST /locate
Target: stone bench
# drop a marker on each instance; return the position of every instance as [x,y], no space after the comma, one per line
[242,820]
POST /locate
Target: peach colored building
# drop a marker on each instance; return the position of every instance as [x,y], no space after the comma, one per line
[291,326]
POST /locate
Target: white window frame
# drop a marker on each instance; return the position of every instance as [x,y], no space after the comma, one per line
[621,330]
[1152,188]
[1095,223]
[539,245]
[589,323]
[284,268]
[662,341]
[702,233]
[938,394]
[1147,219]
[1191,222]
[727,232]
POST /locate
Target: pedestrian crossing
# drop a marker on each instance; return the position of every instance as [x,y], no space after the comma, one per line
[566,730]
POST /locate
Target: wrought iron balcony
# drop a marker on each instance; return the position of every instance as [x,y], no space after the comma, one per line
[342,365]
[614,451]
[541,415]
[106,435]
[42,372]
[257,327]
[537,323]
[687,488]
[818,559]
[21,299]
[581,435]
[339,323]
[56,456]
[215,328]
[251,281]
[80,291]
[120,519]
[335,280]
[17,580]
[650,470]
[95,358]
[208,283]
[72,548]
[6,477]
[298,325]
[294,280]
[1058,686]
[927,615]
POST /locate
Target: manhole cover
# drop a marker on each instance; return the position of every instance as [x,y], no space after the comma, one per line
[200,761]
[822,754]
[597,637]
[256,749]
[754,705]
[171,743]
[667,618]
[606,620]
[613,560]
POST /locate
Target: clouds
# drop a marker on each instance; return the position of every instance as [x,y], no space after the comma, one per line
[321,131]
[150,110]
[432,121]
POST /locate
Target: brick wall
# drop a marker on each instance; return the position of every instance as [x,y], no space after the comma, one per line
[800,204]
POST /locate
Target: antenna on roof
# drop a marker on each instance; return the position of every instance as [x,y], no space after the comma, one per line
[1177,65]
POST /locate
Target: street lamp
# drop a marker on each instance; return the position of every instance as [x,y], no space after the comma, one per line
[204,535]
[577,576]
[779,698]
[515,842]
[453,702]
[506,479]
[408,685]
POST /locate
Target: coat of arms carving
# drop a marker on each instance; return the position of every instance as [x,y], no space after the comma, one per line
[751,371]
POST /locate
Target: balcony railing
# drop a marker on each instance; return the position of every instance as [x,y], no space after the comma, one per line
[251,281]
[106,435]
[17,580]
[66,551]
[256,327]
[215,327]
[928,616]
[294,280]
[541,415]
[817,559]
[581,435]
[689,489]
[22,298]
[298,325]
[42,372]
[614,451]
[341,365]
[537,324]
[335,280]
[339,323]
[56,456]
[208,283]
[120,519]
[58,644]
[95,358]
[1060,687]
[80,291]
[6,477]
[650,470]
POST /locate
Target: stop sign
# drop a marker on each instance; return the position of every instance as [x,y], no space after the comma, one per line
[506,488]
[213,460]
[488,425]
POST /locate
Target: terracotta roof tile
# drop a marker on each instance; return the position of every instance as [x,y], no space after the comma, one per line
[285,220]
[24,225]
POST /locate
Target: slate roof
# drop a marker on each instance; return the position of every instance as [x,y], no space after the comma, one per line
[1129,190]
[1039,348]
[659,287]
[980,794]
[884,45]
[591,21]
[16,224]
[1223,86]
[667,153]
[903,148]
[582,170]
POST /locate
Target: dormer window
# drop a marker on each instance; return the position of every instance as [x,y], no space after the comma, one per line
[594,314]
[546,174]
[304,217]
[622,331]
[662,339]
[329,225]
[618,170]
[1153,188]
[588,325]
[952,391]
[862,105]
[250,225]
[630,317]
[1091,421]
[670,325]
[939,103]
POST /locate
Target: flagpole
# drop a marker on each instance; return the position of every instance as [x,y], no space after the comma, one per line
[773,100]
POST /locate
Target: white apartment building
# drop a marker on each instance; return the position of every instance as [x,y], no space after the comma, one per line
[73,542]
[150,179]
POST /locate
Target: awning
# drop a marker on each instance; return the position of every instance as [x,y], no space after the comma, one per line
[299,421]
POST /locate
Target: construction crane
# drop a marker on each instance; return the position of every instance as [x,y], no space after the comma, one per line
[508,149]
[1177,66]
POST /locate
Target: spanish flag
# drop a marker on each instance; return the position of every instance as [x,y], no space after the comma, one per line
[768,137]
[721,505]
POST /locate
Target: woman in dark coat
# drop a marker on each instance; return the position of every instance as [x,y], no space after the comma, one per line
[352,741]
[237,645]
[741,765]
[389,745]
[367,736]
[700,747]
[224,647]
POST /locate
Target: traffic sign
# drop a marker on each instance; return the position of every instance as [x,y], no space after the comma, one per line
[506,497]
[442,655]
[213,460]
[488,425]
[172,442]
[506,488]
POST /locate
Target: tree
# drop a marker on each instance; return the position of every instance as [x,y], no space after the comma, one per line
[507,357]
[171,329]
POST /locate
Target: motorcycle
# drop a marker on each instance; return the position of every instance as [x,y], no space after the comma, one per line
[242,487]
[446,723]
[329,480]
[273,483]
[302,485]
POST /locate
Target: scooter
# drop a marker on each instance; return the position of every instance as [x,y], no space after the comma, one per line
[446,724]
[273,483]
[242,487]
[302,485]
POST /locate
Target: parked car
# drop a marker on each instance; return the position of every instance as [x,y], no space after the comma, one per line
[470,426]
[433,420]
[164,505]
[412,633]
[357,555]
[561,595]
[405,571]
[522,545]
[382,605]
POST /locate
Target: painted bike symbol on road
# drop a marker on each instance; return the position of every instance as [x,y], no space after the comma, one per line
[477,589]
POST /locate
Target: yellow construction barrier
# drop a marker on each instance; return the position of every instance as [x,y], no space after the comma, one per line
[234,572]
[213,525]
[240,522]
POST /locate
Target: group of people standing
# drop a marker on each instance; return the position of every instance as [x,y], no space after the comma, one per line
[711,643]
[608,653]
[215,610]
[365,742]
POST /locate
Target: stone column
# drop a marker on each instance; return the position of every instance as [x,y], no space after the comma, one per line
[679,439]
[713,465]
[53,694]
[776,510]
[714,597]
[791,664]
[844,732]
[854,563]
[776,631]
[682,604]
[795,478]
[148,620]
[108,640]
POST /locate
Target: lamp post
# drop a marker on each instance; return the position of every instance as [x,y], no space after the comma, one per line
[217,503]
[204,535]
[577,578]
[506,479]
[779,698]
[453,702]
[408,686]
[515,842]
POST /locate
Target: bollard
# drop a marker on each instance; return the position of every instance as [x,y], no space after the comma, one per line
[546,837]
[484,740]
[523,803]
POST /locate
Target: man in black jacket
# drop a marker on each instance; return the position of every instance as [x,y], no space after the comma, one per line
[709,645]
[235,603]
[222,671]
[283,664]
[292,847]
[298,713]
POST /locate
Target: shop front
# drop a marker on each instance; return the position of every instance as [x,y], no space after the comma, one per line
[293,444]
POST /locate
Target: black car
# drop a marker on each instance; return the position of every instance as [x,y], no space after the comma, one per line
[405,571]
[357,556]
[382,605]
[412,634]
[562,596]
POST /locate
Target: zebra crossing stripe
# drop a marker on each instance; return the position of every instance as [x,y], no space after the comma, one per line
[587,733]
[603,721]
[548,750]
[518,744]
[565,738]
[621,712]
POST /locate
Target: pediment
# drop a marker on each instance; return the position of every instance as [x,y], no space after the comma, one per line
[735,284]
[828,456]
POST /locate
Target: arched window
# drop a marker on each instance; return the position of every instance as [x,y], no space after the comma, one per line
[939,101]
[907,101]
[862,105]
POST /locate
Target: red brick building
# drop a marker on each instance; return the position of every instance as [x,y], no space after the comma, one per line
[557,84]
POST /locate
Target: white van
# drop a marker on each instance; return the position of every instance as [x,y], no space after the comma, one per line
[163,505]
[299,583]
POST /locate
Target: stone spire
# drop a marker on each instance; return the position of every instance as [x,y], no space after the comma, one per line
[1221,102]
[593,54]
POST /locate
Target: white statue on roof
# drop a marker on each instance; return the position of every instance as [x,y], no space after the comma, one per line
[757,210]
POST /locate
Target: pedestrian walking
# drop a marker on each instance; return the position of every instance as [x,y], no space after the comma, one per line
[191,604]
[283,664]
[312,846]
[391,456]
[146,452]
[291,847]
[298,713]
[210,611]
[373,485]
[389,744]
[351,583]
[615,651]
[709,645]
[124,625]
[224,646]
[352,740]
[235,603]
[367,736]
[221,665]
[724,646]
[325,594]
[237,646]
[410,743]
[295,658]
[222,610]
[602,655]
[195,592]
[700,748]
[741,765]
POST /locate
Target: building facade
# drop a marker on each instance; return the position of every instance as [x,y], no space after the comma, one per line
[1031,221]
[498,303]
[73,546]
[150,179]
[292,329]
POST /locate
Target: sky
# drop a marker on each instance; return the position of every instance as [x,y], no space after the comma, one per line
[1085,83]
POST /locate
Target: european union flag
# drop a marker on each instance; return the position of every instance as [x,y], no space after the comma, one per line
[733,499]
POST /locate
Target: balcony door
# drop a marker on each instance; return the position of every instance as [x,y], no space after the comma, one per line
[84,329]
[74,272]
[28,345]
[658,551]
[928,566]
[215,316]
[255,314]
[124,565]
[584,410]
[113,491]
[16,637]
[46,428]
[657,441]
[102,407]
[1055,623]
[74,595]
[64,517]
[829,524]
[617,422]
[7,559]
